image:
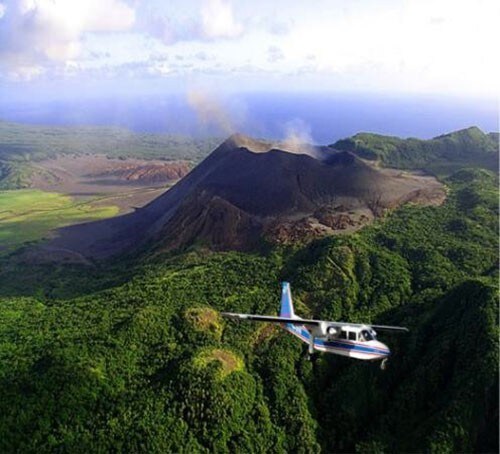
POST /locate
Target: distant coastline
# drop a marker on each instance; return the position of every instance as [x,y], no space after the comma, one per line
[322,117]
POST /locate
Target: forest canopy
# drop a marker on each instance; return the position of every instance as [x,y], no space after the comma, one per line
[135,356]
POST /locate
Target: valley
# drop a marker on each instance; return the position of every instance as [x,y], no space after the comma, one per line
[52,177]
[98,174]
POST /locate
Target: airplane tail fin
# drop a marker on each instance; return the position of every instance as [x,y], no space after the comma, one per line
[286,309]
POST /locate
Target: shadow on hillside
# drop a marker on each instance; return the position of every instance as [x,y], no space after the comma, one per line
[49,281]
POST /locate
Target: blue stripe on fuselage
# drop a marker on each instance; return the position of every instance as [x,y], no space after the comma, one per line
[305,336]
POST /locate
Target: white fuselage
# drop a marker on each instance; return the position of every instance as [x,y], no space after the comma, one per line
[366,350]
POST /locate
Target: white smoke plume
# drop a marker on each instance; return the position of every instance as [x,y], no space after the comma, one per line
[209,111]
[298,137]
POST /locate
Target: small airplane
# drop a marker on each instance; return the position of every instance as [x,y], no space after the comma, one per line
[354,340]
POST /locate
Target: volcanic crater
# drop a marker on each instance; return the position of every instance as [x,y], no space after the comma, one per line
[249,189]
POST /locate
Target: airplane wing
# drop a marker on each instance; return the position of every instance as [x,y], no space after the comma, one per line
[300,321]
[399,329]
[287,315]
[270,318]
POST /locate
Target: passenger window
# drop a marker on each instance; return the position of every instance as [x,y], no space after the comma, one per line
[343,334]
[352,336]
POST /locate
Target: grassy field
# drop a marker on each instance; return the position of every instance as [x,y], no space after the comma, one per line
[28,215]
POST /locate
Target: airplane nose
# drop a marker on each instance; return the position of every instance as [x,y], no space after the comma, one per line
[385,349]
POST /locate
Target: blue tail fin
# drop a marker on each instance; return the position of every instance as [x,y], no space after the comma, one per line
[286,309]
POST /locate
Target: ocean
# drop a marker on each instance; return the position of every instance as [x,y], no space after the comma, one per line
[317,117]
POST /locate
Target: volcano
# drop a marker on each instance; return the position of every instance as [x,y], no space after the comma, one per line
[248,189]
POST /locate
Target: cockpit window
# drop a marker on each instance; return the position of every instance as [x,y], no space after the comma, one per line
[366,335]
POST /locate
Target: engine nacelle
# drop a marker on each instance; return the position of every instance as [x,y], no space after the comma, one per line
[319,330]
[331,331]
[324,330]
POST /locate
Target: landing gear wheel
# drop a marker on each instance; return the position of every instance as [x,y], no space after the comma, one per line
[311,357]
[310,350]
[383,364]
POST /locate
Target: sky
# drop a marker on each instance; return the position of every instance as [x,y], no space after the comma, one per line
[71,48]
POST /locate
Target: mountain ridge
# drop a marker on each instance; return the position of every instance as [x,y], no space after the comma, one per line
[440,156]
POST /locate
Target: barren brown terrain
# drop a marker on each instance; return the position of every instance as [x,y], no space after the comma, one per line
[127,183]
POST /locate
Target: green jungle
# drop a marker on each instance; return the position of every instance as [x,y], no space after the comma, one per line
[133,356]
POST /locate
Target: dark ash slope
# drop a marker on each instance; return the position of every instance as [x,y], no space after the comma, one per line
[243,186]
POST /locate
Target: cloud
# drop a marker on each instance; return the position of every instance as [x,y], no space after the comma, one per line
[203,56]
[274,54]
[159,56]
[159,69]
[213,21]
[36,34]
[416,47]
[218,21]
[169,31]
[272,24]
